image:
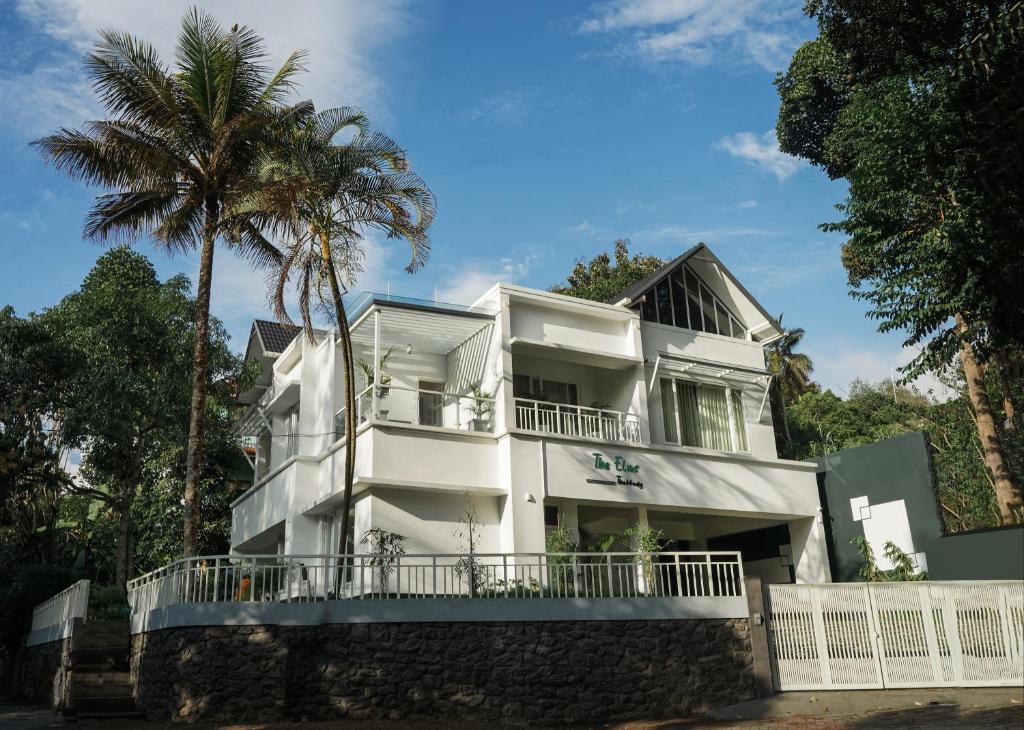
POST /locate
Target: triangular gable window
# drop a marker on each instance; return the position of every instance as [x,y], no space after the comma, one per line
[681,299]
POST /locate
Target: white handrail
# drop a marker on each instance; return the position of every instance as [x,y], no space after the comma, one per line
[70,603]
[605,424]
[317,577]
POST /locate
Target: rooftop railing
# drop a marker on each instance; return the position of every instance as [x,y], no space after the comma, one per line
[567,420]
[309,578]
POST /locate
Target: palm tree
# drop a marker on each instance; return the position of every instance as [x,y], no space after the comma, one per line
[176,155]
[322,197]
[792,371]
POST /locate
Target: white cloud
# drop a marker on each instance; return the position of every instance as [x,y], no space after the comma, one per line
[697,32]
[508,108]
[747,204]
[469,282]
[839,364]
[343,38]
[685,234]
[761,150]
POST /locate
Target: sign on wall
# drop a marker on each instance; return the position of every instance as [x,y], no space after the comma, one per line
[627,474]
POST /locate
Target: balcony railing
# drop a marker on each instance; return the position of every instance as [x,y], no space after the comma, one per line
[567,420]
[304,578]
[402,405]
[72,602]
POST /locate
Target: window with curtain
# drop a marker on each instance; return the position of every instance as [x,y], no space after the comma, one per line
[708,416]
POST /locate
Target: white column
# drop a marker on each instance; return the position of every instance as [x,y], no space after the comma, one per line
[810,555]
[376,361]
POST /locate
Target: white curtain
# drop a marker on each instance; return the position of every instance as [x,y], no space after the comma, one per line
[703,416]
[668,411]
[739,418]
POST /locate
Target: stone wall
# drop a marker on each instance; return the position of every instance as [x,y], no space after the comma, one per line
[40,675]
[517,672]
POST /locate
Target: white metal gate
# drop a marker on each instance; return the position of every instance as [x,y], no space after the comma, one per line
[914,634]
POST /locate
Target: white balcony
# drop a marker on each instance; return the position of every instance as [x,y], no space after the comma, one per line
[601,424]
[400,405]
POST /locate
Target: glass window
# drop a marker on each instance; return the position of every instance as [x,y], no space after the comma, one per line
[707,305]
[431,403]
[724,325]
[693,306]
[683,300]
[552,391]
[700,416]
[648,308]
[664,298]
[679,302]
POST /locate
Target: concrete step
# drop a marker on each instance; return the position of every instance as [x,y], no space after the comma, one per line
[99,640]
[81,692]
[115,626]
[99,657]
[72,716]
[102,677]
[90,706]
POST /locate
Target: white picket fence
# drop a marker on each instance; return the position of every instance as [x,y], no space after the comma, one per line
[72,602]
[890,635]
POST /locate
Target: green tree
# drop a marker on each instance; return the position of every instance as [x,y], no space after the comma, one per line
[176,155]
[599,279]
[792,371]
[879,98]
[127,400]
[33,369]
[322,197]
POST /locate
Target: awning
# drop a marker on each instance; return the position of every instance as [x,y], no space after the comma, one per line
[669,364]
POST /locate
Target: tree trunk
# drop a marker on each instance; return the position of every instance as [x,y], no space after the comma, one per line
[782,409]
[124,529]
[1008,492]
[1007,373]
[350,391]
[200,356]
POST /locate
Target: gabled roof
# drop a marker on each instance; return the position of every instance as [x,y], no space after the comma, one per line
[274,337]
[633,292]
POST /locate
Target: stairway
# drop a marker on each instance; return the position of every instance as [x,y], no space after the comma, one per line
[98,682]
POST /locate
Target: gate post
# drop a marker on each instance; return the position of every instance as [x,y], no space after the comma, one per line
[759,650]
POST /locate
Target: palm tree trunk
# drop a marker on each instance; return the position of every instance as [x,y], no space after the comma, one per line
[350,391]
[1008,491]
[200,358]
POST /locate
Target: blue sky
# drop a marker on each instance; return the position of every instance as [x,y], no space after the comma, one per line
[546,131]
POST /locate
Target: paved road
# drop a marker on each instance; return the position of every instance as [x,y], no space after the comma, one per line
[995,709]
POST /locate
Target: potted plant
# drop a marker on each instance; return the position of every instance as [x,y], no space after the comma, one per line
[481,406]
[385,380]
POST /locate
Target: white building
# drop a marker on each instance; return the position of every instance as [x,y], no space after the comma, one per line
[537,410]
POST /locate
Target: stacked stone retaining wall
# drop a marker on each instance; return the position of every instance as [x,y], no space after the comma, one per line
[41,673]
[527,673]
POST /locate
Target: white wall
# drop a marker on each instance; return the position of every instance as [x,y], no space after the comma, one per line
[677,478]
[699,345]
[271,504]
[556,326]
[430,521]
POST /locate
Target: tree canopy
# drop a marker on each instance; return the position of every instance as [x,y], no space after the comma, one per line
[918,107]
[600,279]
